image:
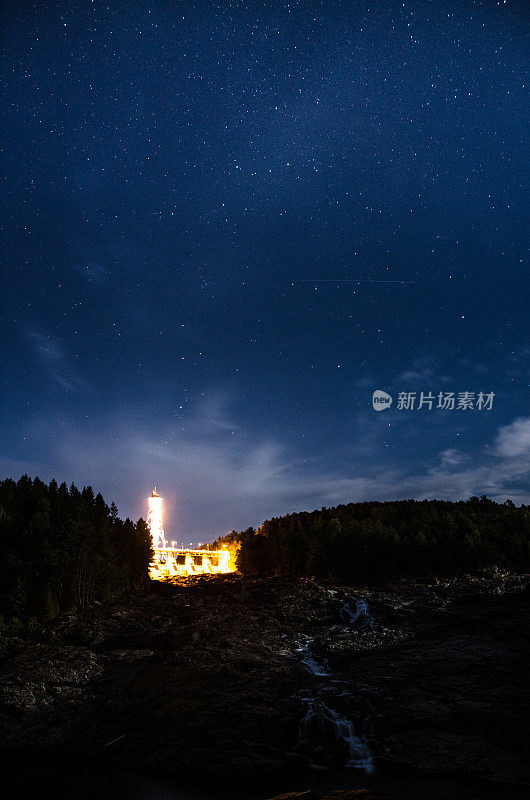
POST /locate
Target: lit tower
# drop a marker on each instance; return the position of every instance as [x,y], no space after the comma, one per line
[155,520]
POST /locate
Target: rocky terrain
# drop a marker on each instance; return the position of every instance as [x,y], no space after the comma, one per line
[229,677]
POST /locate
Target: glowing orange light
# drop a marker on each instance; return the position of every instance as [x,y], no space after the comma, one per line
[172,561]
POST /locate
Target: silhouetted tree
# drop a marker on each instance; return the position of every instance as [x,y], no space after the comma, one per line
[61,549]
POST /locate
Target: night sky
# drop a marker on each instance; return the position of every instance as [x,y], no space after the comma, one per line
[226,224]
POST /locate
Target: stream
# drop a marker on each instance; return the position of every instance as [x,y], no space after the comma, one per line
[323,730]
[330,724]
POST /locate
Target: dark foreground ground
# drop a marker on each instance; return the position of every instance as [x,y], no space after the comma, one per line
[209,681]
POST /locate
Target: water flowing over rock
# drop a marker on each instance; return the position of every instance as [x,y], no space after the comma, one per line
[322,729]
[322,725]
[361,614]
[224,678]
[310,663]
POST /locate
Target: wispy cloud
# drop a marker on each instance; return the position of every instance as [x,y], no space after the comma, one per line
[54,357]
[215,475]
[422,371]
[513,441]
[451,457]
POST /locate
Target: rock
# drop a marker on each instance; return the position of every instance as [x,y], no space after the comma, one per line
[202,678]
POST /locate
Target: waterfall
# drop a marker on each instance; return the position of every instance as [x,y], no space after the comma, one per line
[322,724]
[358,752]
[312,665]
[310,662]
[361,611]
[322,727]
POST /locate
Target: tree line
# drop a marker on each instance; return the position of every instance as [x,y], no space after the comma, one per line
[62,548]
[376,542]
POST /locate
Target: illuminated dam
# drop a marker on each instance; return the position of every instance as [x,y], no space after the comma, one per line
[170,561]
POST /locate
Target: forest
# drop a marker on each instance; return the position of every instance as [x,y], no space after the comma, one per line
[62,549]
[377,542]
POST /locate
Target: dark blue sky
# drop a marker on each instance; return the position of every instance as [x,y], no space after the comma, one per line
[190,190]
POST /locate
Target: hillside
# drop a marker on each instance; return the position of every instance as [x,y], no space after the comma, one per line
[374,542]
